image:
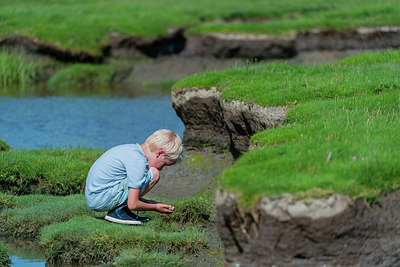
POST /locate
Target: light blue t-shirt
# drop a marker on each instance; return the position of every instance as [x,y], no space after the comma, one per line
[113,173]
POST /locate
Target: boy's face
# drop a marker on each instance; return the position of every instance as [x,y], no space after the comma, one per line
[157,160]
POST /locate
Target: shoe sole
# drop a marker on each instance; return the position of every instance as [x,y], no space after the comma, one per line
[111,219]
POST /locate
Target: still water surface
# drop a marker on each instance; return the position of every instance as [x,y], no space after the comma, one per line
[95,122]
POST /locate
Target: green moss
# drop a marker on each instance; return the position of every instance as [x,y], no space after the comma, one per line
[50,171]
[4,258]
[82,76]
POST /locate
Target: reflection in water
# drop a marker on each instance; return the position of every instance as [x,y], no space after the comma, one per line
[54,122]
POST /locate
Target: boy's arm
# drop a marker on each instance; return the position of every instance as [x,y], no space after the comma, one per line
[134,203]
[156,178]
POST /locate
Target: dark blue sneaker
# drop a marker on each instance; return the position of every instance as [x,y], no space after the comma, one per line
[140,218]
[124,215]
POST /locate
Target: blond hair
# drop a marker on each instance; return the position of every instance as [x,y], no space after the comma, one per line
[166,140]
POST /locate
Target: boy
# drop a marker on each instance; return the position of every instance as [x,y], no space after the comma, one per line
[119,179]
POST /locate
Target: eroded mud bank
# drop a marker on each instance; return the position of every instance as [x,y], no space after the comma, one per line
[209,119]
[219,45]
[332,232]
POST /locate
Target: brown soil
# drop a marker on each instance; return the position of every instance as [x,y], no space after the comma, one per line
[352,234]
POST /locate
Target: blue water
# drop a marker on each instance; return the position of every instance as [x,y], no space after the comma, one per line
[21,262]
[95,122]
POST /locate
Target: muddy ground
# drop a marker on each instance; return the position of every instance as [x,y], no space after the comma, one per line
[196,172]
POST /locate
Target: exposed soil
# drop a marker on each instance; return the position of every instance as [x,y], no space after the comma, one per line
[259,46]
[196,172]
[209,119]
[333,232]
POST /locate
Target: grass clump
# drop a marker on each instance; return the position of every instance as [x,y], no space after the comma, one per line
[193,210]
[4,146]
[15,70]
[50,171]
[142,257]
[88,239]
[341,136]
[4,258]
[26,215]
[82,76]
[6,201]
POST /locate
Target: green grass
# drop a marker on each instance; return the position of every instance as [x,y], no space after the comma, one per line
[286,17]
[282,84]
[70,232]
[349,110]
[71,24]
[26,215]
[89,239]
[15,70]
[4,146]
[4,258]
[143,257]
[49,171]
[82,76]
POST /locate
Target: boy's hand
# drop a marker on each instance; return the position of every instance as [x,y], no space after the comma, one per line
[163,208]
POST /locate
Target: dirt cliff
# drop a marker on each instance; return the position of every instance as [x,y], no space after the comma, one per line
[312,232]
[209,119]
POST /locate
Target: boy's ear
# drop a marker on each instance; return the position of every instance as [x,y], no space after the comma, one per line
[160,152]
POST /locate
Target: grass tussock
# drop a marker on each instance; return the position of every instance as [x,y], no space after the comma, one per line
[48,171]
[341,133]
[15,70]
[26,215]
[4,146]
[82,76]
[4,258]
[84,27]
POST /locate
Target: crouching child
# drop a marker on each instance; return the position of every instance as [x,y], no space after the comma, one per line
[119,179]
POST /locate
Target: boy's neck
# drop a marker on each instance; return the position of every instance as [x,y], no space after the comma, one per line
[146,150]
